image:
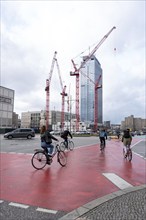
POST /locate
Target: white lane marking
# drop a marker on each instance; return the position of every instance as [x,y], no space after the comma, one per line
[136,143]
[18,205]
[139,155]
[118,181]
[46,210]
[1,201]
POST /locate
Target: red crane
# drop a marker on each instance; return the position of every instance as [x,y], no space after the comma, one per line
[63,93]
[76,73]
[47,89]
[97,86]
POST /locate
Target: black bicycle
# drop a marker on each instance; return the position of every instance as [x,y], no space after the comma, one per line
[41,158]
[102,145]
[70,145]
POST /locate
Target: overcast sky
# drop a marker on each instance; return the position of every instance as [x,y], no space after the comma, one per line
[32,30]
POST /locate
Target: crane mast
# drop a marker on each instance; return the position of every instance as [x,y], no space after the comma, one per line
[47,89]
[76,73]
[63,93]
[97,86]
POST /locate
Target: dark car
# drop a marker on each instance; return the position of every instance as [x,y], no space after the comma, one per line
[20,133]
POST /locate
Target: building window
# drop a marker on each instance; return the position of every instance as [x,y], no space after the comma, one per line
[4,99]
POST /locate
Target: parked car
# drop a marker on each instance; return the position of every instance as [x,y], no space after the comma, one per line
[20,133]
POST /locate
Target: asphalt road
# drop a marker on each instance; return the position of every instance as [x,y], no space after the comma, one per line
[24,145]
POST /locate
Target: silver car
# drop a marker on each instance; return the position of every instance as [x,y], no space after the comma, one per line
[20,133]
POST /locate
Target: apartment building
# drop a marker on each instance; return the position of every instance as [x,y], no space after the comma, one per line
[135,124]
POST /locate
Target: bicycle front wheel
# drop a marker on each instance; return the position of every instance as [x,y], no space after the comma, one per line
[39,160]
[61,158]
[71,145]
[62,146]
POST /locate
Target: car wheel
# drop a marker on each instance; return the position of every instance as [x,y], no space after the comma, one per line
[10,137]
[29,136]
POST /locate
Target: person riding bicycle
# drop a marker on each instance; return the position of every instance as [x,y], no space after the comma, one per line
[46,140]
[126,139]
[102,136]
[65,135]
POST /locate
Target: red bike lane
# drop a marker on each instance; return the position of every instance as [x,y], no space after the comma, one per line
[67,188]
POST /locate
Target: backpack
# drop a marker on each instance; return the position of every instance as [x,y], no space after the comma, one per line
[126,134]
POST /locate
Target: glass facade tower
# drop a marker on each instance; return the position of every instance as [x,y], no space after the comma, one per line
[92,69]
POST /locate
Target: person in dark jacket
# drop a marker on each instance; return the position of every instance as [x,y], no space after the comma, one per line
[126,139]
[65,135]
[46,140]
[102,136]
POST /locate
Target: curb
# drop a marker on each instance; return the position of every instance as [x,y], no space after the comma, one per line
[75,214]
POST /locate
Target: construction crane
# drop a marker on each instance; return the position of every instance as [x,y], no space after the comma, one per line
[47,89]
[63,93]
[97,86]
[77,70]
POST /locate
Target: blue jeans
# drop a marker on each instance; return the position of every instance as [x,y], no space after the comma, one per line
[48,147]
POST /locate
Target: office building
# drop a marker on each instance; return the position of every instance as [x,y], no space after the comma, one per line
[92,69]
[6,107]
[35,119]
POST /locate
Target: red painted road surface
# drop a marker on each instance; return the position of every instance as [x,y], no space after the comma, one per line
[67,188]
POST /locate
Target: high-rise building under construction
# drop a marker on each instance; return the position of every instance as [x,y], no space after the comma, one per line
[90,74]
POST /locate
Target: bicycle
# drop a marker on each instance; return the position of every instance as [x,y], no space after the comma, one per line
[41,158]
[70,145]
[102,145]
[128,154]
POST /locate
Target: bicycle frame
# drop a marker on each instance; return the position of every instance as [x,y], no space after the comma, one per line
[41,157]
[55,149]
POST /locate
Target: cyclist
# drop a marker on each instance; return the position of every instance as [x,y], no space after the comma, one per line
[65,135]
[102,136]
[46,140]
[126,139]
[118,134]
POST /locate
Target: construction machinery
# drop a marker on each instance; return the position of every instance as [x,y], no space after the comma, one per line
[78,70]
[47,89]
[63,93]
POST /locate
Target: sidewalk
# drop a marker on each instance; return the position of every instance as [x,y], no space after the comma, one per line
[127,204]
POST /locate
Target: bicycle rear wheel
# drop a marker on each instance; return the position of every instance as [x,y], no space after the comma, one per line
[129,154]
[39,160]
[62,146]
[102,146]
[61,158]
[71,145]
[124,153]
